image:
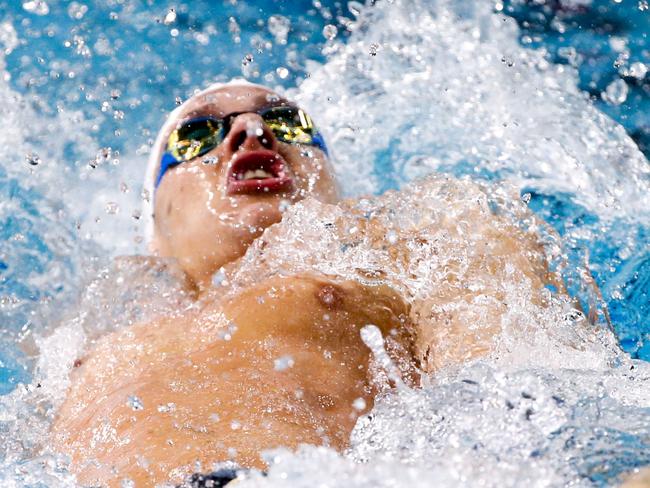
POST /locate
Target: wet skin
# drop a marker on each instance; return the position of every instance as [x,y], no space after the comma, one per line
[203,224]
[211,392]
[208,380]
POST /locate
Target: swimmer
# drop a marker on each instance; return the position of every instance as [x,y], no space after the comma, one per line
[280,362]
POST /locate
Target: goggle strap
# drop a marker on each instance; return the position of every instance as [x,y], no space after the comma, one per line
[318,141]
[168,161]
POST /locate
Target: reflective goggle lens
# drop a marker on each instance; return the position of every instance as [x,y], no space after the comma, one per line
[194,138]
[290,125]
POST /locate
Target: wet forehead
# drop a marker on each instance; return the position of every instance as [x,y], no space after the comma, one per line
[223,101]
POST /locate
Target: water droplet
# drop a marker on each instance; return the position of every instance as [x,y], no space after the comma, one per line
[284,205]
[112,208]
[33,159]
[227,332]
[391,237]
[127,483]
[234,29]
[283,363]
[115,94]
[355,7]
[282,72]
[637,70]
[174,32]
[8,37]
[210,160]
[214,417]
[643,5]
[330,31]
[248,58]
[170,18]
[102,157]
[374,47]
[616,92]
[219,278]
[526,198]
[136,214]
[77,10]
[38,7]
[359,404]
[135,403]
[272,98]
[124,188]
[279,27]
[235,425]
[167,407]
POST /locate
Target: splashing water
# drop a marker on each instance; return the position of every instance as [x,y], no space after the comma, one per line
[420,87]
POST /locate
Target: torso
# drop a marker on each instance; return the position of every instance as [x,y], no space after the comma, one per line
[279,364]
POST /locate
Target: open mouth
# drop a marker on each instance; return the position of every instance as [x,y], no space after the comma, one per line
[258,172]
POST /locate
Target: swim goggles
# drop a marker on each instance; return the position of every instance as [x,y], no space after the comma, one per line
[198,136]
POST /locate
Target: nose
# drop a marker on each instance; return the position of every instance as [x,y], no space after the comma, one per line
[249,132]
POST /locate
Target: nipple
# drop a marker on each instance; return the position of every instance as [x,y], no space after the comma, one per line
[330,296]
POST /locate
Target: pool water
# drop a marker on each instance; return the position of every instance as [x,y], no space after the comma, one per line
[551,97]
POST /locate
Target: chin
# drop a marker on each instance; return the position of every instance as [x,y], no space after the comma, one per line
[261,214]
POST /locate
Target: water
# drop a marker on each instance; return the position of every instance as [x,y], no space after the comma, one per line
[419,87]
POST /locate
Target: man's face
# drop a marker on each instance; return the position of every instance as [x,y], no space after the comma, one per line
[209,209]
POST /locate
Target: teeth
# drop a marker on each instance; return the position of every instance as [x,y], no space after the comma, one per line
[258,174]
